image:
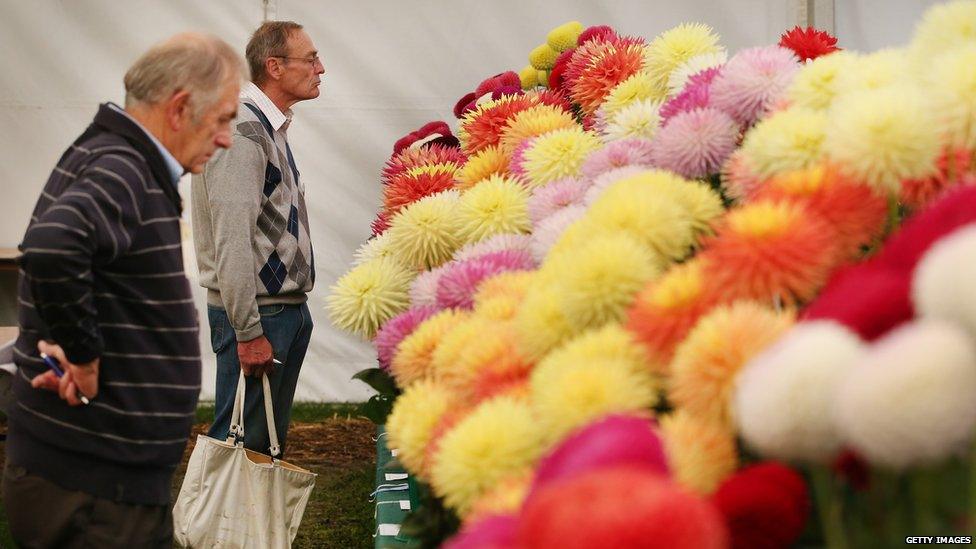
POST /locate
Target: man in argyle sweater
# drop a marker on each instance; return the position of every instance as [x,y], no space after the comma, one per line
[252,237]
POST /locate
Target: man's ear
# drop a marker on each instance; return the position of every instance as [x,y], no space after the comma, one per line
[273,68]
[178,110]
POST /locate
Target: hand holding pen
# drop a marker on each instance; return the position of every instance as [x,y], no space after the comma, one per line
[75,383]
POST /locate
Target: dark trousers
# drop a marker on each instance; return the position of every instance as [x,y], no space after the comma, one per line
[289,329]
[42,514]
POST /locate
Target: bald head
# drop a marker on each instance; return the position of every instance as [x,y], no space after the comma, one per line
[200,64]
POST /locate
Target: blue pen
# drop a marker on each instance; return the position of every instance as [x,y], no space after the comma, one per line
[55,366]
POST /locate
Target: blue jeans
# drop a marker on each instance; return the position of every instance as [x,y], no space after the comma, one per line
[289,329]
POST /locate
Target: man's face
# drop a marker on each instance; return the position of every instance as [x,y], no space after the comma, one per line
[302,69]
[211,130]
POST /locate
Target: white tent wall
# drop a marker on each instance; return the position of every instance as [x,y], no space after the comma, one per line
[390,67]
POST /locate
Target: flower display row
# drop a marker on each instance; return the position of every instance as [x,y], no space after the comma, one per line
[701,291]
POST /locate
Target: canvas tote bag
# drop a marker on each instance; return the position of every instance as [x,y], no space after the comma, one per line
[236,498]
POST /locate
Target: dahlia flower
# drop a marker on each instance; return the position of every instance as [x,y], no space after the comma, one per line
[808,43]
[483,127]
[639,119]
[497,440]
[369,295]
[497,243]
[483,164]
[682,74]
[457,286]
[883,136]
[654,509]
[770,251]
[676,46]
[667,309]
[707,363]
[494,206]
[397,328]
[874,71]
[820,81]
[374,248]
[564,36]
[423,289]
[427,232]
[551,229]
[607,272]
[632,151]
[739,179]
[567,393]
[551,198]
[787,140]
[909,402]
[701,454]
[753,81]
[942,28]
[637,87]
[543,57]
[424,156]
[411,361]
[533,122]
[540,322]
[764,505]
[417,183]
[940,286]
[596,73]
[785,395]
[412,421]
[693,96]
[607,179]
[953,97]
[695,143]
[557,154]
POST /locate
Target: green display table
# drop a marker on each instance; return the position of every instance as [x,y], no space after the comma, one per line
[395,495]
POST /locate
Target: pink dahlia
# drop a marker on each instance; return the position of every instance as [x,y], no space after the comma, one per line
[605,180]
[496,243]
[423,289]
[617,154]
[753,82]
[457,286]
[693,96]
[555,196]
[696,143]
[515,164]
[396,329]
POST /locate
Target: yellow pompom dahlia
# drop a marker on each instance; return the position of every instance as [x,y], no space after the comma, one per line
[369,295]
[494,206]
[557,154]
[675,46]
[412,359]
[819,82]
[791,139]
[543,57]
[414,418]
[564,36]
[883,136]
[498,440]
[426,233]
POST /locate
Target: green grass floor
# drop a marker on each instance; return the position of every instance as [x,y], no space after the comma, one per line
[339,513]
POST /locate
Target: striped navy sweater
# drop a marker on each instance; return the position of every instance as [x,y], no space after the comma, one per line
[102,275]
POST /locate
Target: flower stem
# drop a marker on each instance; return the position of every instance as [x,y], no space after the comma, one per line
[829,508]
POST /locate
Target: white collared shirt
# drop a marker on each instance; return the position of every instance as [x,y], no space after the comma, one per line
[279,120]
[176,171]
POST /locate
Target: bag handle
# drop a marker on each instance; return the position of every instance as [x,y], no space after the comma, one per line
[237,415]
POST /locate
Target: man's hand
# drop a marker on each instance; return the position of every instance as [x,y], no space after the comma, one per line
[256,356]
[77,377]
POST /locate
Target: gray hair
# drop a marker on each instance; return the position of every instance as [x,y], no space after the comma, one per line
[269,40]
[198,63]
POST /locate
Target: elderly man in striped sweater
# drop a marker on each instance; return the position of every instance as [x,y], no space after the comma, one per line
[103,291]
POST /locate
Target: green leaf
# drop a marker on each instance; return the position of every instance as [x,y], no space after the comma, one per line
[379,380]
[377,408]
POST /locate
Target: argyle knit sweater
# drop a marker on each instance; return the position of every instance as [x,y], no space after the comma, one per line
[102,276]
[250,224]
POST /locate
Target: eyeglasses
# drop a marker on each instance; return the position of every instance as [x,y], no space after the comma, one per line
[310,60]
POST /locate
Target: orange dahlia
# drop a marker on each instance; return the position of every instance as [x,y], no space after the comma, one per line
[668,308]
[417,183]
[483,126]
[604,70]
[854,210]
[771,251]
[952,164]
[425,156]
